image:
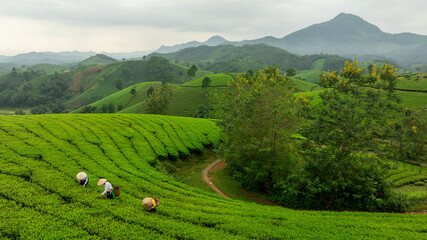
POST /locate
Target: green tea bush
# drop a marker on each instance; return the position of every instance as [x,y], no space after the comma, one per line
[40,197]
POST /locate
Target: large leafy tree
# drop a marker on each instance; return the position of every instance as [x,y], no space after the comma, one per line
[342,169]
[258,116]
[356,108]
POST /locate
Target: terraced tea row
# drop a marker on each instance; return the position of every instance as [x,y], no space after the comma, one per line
[406,173]
[40,156]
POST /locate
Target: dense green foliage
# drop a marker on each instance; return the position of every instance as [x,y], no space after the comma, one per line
[330,179]
[258,115]
[408,136]
[41,199]
[353,119]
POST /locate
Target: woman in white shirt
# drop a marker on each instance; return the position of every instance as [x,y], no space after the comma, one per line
[108,188]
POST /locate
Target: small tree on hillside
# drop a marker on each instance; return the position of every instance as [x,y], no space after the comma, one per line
[192,71]
[290,72]
[206,82]
[158,101]
[133,92]
[150,91]
[13,73]
[249,74]
[118,84]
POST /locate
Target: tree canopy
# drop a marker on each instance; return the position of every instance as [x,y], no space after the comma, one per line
[258,116]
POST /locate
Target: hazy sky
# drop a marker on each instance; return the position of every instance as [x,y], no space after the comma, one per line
[132,25]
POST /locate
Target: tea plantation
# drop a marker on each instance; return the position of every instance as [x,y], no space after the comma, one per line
[40,197]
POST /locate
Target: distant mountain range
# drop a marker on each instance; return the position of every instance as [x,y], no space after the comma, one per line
[346,35]
[213,41]
[64,57]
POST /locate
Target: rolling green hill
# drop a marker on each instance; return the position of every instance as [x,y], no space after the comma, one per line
[94,61]
[187,99]
[124,98]
[40,197]
[63,91]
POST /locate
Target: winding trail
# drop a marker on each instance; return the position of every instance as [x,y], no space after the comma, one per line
[218,164]
[205,173]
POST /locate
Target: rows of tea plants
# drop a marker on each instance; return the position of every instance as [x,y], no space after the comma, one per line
[405,174]
[40,197]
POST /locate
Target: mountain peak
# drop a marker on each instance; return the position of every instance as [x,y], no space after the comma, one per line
[215,40]
[353,21]
[347,16]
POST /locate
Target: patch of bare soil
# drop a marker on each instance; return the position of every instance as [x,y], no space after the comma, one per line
[77,79]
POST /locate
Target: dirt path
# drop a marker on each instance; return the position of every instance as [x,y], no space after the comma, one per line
[205,173]
[219,164]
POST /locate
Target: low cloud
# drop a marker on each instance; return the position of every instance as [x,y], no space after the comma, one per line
[167,22]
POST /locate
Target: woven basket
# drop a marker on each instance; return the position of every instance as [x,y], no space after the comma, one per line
[116,190]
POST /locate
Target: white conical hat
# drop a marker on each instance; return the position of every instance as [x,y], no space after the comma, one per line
[102,181]
[81,176]
[147,203]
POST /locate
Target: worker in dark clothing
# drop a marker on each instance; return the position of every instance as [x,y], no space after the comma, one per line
[83,178]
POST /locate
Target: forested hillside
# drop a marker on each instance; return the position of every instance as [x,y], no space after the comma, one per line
[232,59]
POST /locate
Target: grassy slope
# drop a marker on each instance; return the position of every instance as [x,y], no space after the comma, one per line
[102,84]
[304,86]
[415,82]
[40,156]
[413,99]
[311,75]
[217,80]
[124,97]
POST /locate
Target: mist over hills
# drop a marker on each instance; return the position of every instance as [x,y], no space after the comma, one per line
[213,41]
[64,57]
[346,35]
